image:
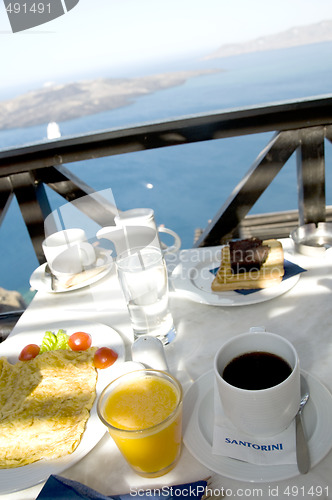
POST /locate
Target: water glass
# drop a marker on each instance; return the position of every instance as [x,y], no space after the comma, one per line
[143,278]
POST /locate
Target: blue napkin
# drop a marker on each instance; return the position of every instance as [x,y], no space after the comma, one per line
[290,268]
[60,488]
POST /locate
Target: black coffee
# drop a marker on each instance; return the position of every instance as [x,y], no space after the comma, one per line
[256,370]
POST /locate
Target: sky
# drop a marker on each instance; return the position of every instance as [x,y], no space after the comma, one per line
[120,35]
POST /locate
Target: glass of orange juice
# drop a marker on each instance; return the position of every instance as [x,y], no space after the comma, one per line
[143,413]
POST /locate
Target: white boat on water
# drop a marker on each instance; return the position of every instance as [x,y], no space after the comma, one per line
[53,131]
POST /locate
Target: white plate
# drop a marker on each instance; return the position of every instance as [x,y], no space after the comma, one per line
[102,336]
[198,430]
[192,278]
[40,281]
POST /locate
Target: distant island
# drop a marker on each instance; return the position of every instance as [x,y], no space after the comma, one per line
[62,102]
[58,103]
[294,37]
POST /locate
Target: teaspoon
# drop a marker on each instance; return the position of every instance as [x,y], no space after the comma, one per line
[302,450]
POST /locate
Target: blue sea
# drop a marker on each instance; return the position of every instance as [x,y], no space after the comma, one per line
[185,185]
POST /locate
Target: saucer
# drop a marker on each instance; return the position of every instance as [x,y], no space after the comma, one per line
[199,422]
[39,280]
[193,276]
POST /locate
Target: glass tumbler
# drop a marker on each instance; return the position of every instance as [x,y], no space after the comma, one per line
[143,413]
[143,278]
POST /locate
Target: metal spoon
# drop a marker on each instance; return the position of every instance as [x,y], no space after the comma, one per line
[50,275]
[302,450]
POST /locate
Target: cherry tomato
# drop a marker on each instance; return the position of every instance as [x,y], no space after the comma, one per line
[104,357]
[28,352]
[79,341]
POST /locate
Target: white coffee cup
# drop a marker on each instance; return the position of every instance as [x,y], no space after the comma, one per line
[145,217]
[72,245]
[260,412]
[72,261]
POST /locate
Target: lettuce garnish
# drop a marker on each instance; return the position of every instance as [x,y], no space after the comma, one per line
[52,341]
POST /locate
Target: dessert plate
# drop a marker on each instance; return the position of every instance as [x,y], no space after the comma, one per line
[102,336]
[193,276]
[198,432]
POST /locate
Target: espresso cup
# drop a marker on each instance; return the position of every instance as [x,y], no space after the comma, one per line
[258,404]
[73,261]
[73,241]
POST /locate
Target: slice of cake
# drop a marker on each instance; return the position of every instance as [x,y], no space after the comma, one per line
[247,255]
[250,263]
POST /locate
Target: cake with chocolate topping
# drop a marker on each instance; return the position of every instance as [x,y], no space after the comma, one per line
[248,254]
[248,264]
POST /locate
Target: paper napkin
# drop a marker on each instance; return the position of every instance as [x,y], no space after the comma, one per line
[60,488]
[230,442]
[290,268]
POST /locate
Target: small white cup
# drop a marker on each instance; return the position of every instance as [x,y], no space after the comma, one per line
[145,217]
[68,251]
[263,412]
[73,260]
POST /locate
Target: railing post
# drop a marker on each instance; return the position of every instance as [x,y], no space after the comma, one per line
[267,165]
[6,196]
[34,206]
[311,176]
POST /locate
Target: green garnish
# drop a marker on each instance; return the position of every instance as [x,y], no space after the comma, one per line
[52,341]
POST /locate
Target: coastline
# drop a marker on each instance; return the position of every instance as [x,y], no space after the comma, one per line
[62,102]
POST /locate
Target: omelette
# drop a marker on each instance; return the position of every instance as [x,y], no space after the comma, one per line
[44,405]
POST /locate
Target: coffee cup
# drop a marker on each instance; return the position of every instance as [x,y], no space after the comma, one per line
[68,251]
[72,261]
[257,377]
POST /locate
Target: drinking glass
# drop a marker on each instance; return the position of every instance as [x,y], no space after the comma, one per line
[143,278]
[143,413]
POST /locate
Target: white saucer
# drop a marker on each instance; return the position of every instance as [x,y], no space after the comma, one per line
[192,277]
[41,281]
[198,429]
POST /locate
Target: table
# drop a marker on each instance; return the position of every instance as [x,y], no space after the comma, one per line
[303,315]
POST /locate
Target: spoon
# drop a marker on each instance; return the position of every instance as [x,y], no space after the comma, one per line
[302,450]
[53,278]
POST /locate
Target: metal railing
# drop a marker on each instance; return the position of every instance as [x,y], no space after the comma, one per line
[300,127]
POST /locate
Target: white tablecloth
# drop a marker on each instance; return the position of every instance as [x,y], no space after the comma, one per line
[303,315]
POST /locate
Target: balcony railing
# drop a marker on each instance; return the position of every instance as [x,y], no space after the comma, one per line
[300,127]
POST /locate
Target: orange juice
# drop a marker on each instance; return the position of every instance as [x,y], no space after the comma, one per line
[143,412]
